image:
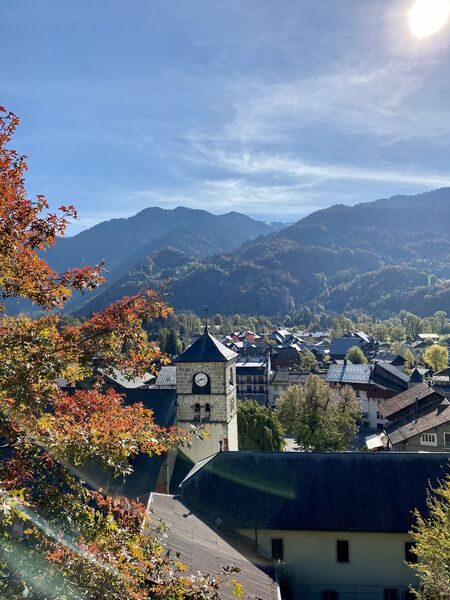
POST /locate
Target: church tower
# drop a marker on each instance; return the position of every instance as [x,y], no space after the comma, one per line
[206,395]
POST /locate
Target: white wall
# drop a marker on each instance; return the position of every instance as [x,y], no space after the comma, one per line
[376,559]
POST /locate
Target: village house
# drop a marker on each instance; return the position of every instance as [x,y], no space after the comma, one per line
[282,379]
[417,420]
[372,384]
[366,343]
[334,524]
[252,373]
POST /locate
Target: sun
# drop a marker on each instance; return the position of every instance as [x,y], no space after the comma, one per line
[428,16]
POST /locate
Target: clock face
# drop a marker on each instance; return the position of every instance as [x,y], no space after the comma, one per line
[201,379]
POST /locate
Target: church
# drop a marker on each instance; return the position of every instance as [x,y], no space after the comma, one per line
[203,400]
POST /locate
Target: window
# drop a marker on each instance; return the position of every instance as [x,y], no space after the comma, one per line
[428,439]
[446,440]
[197,413]
[261,389]
[342,552]
[249,378]
[357,393]
[249,389]
[391,594]
[379,416]
[410,555]
[277,549]
[207,412]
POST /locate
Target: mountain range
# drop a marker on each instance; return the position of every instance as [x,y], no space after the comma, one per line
[376,257]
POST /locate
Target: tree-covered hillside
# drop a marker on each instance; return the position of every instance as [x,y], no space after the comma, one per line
[380,257]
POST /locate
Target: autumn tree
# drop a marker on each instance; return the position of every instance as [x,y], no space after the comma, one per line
[431,535]
[75,542]
[320,418]
[258,427]
[436,356]
[356,356]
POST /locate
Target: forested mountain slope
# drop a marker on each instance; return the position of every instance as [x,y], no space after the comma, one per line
[379,257]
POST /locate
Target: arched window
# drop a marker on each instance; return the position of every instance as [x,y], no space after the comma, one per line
[207,412]
[197,412]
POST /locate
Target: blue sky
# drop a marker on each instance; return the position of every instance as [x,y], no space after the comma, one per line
[274,109]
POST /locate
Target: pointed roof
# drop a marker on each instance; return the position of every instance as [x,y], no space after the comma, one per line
[206,349]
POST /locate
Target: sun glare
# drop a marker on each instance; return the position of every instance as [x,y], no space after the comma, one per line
[428,16]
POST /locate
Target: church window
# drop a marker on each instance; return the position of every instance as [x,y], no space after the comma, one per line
[342,551]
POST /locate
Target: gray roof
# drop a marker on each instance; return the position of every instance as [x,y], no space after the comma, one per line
[341,345]
[167,376]
[206,349]
[342,491]
[203,548]
[349,373]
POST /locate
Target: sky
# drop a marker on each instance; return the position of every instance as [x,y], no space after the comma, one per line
[270,108]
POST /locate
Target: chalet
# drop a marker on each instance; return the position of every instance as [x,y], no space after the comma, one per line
[441,381]
[372,383]
[335,524]
[286,356]
[340,346]
[417,420]
[396,360]
[410,402]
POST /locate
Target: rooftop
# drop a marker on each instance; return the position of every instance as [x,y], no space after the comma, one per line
[406,398]
[429,419]
[343,491]
[203,548]
[206,349]
[167,376]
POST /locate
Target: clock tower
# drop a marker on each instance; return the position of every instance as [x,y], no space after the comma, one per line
[206,395]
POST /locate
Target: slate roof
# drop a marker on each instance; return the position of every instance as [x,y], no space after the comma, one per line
[202,548]
[381,373]
[206,349]
[340,346]
[121,379]
[344,491]
[141,482]
[167,376]
[390,357]
[405,399]
[349,373]
[409,427]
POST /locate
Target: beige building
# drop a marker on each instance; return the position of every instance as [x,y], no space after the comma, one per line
[335,525]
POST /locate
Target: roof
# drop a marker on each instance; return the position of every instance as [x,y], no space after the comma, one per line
[331,491]
[341,345]
[428,336]
[206,349]
[349,373]
[145,469]
[405,399]
[124,380]
[409,427]
[390,357]
[203,548]
[167,376]
[381,373]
